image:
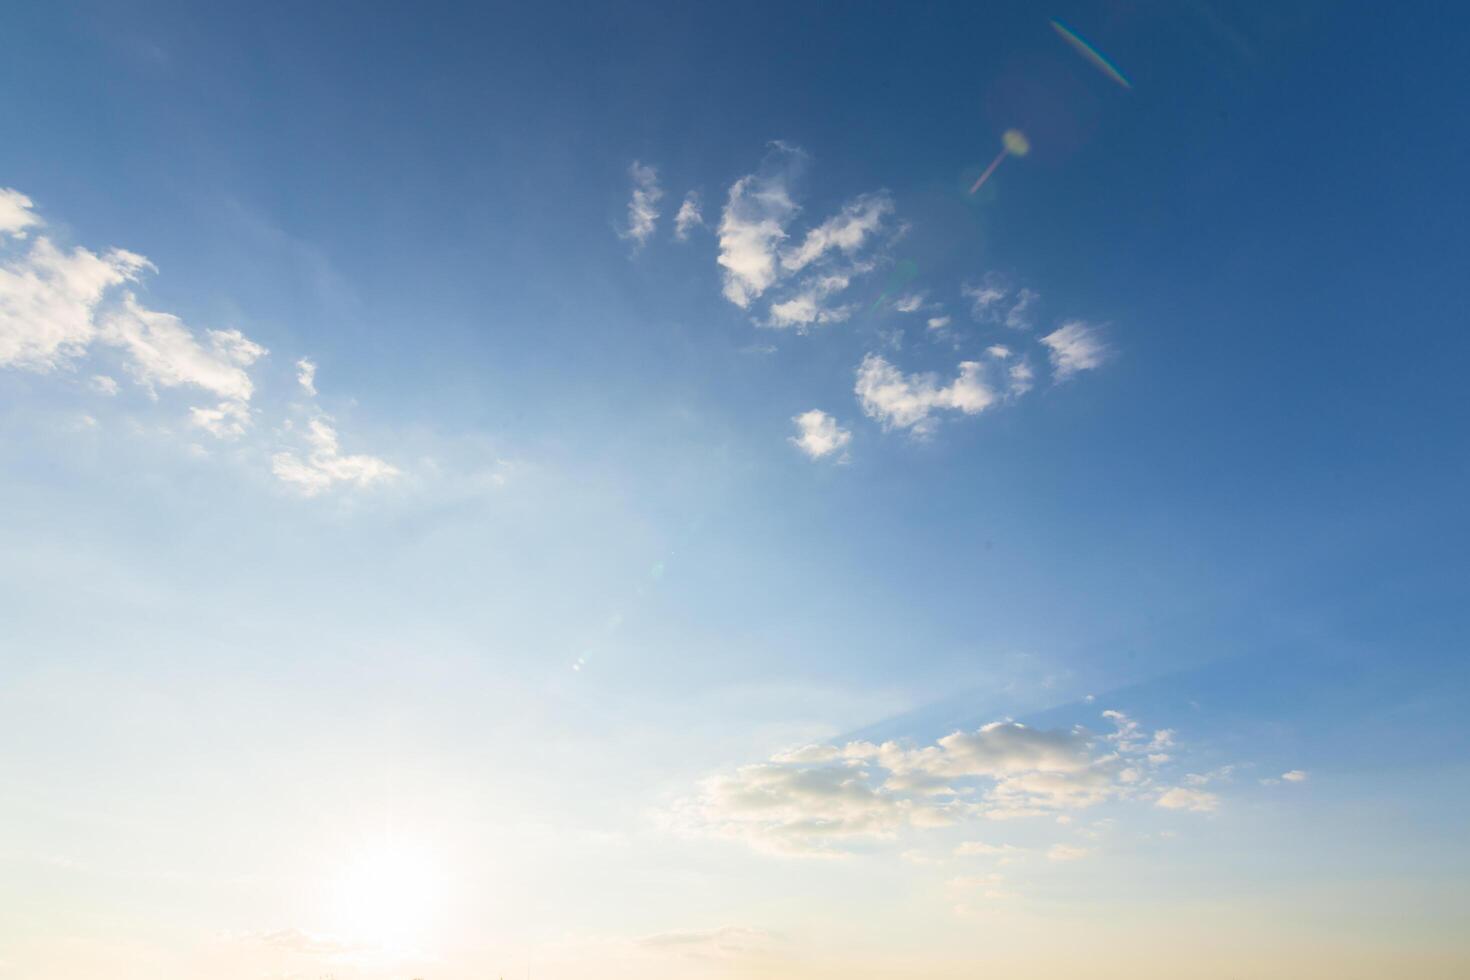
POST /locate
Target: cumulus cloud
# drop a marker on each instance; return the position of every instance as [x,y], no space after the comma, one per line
[57,305]
[643,206]
[909,401]
[753,225]
[818,434]
[824,799]
[1074,347]
[689,217]
[323,464]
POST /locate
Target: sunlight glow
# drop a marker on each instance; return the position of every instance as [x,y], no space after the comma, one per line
[390,895]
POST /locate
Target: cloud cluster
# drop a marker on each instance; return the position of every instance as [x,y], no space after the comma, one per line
[755,258]
[798,280]
[59,307]
[823,799]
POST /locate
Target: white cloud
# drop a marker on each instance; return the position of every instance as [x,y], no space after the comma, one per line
[165,352]
[938,322]
[1184,798]
[909,401]
[324,464]
[48,299]
[818,434]
[1074,347]
[846,231]
[1294,776]
[1066,852]
[689,217]
[55,306]
[807,306]
[823,798]
[643,206]
[753,225]
[306,375]
[910,303]
[16,213]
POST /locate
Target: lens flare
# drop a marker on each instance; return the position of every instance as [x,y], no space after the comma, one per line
[1090,53]
[1013,144]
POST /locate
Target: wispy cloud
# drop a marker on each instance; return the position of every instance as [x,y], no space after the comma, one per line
[1075,346]
[306,375]
[643,206]
[689,217]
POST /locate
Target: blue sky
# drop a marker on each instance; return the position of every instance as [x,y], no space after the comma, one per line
[488,571]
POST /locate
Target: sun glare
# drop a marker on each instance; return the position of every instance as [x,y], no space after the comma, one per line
[389,896]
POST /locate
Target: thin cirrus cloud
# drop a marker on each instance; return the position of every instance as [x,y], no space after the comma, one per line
[829,800]
[689,217]
[643,205]
[1074,346]
[62,307]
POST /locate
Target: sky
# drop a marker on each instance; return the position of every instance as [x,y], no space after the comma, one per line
[554,490]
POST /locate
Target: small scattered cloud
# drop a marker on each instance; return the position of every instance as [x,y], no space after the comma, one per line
[306,375]
[323,463]
[1074,346]
[643,206]
[1185,798]
[827,799]
[16,213]
[937,322]
[1294,776]
[818,434]
[1066,852]
[994,300]
[910,401]
[689,217]
[103,384]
